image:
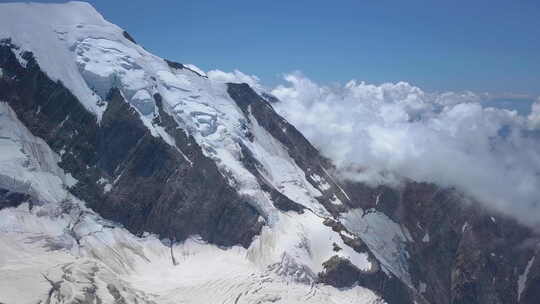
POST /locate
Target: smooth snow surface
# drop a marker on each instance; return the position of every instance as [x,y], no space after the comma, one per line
[384,237]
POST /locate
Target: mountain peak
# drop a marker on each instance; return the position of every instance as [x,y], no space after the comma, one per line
[130,178]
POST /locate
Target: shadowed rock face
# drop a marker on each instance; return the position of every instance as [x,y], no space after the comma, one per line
[179,66]
[128,37]
[155,188]
[341,273]
[460,253]
[300,149]
[338,272]
[12,199]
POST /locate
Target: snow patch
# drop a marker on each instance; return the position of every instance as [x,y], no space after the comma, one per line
[29,161]
[385,238]
[522,279]
[464,227]
[422,288]
[335,200]
[322,184]
[195,69]
[107,186]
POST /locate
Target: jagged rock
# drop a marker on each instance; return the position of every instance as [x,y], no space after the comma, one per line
[339,272]
[155,189]
[12,199]
[299,148]
[128,37]
[460,252]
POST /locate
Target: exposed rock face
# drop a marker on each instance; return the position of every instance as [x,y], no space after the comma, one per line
[299,148]
[12,199]
[339,272]
[342,273]
[128,36]
[124,172]
[178,65]
[460,253]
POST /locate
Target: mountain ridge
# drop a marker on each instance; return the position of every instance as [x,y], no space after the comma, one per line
[155,164]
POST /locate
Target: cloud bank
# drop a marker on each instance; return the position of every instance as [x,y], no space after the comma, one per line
[236,77]
[534,117]
[384,133]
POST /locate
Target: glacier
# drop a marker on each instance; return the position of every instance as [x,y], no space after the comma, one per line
[56,250]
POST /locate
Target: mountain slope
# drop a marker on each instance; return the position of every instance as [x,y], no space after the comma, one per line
[133,179]
[157,147]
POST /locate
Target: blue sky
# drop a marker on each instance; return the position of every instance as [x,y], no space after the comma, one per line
[484,46]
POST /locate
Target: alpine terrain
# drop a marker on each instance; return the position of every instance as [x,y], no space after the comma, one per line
[129,178]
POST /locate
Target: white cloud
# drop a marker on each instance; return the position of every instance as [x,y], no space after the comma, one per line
[399,129]
[534,117]
[236,77]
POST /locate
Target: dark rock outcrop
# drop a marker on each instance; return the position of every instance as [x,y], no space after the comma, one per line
[341,273]
[299,148]
[179,66]
[128,37]
[153,187]
[12,199]
[461,253]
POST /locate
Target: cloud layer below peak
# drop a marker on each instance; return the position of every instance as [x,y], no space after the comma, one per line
[447,138]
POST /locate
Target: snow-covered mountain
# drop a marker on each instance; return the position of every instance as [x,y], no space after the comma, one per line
[128,178]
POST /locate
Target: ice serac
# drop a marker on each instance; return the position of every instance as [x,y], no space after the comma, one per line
[124,172]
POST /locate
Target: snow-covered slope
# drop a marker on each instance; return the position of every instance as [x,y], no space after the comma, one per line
[70,253]
[55,249]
